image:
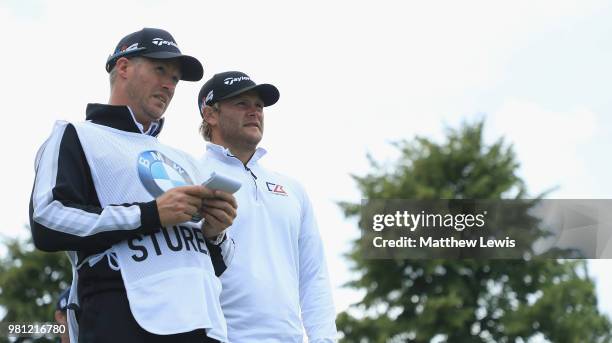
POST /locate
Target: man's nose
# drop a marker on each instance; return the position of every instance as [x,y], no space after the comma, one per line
[254,109]
[170,85]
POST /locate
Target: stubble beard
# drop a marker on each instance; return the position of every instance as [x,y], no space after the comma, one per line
[241,142]
[143,108]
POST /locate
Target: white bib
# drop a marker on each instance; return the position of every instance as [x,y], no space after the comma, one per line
[169,277]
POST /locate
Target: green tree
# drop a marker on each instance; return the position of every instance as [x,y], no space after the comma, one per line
[471,300]
[30,282]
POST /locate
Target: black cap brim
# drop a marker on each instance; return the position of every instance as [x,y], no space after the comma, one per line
[269,94]
[191,68]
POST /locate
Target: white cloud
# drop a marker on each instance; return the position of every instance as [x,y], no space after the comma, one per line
[548,143]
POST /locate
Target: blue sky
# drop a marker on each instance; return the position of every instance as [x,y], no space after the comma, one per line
[353,77]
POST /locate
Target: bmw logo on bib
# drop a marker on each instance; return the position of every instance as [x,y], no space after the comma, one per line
[158,173]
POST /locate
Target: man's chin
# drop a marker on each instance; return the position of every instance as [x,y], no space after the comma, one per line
[250,141]
[253,132]
[254,139]
[156,114]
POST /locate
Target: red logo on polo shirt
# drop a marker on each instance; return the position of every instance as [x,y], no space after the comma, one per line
[276,189]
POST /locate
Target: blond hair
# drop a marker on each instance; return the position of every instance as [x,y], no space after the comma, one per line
[205,129]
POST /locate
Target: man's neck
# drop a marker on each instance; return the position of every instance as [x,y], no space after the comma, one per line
[116,100]
[144,127]
[243,154]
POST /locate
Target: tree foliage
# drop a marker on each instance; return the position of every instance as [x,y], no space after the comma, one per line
[31,281]
[464,300]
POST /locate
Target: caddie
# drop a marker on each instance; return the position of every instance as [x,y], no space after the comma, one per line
[125,207]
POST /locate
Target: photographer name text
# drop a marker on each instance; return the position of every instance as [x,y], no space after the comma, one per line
[447,242]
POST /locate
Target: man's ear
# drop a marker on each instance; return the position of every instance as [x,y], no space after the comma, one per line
[122,65]
[210,116]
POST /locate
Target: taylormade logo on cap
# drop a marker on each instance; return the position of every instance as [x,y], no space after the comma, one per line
[161,41]
[229,84]
[155,44]
[230,80]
